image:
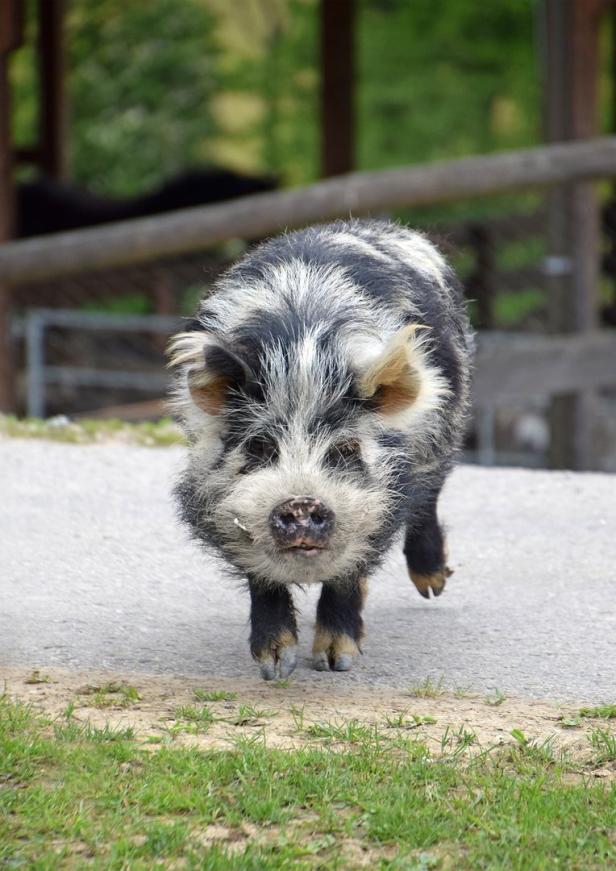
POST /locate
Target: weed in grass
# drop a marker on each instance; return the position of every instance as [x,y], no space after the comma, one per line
[427,689]
[36,677]
[520,737]
[529,749]
[69,711]
[457,741]
[244,743]
[465,738]
[569,722]
[111,695]
[461,692]
[496,699]
[75,731]
[405,721]
[248,715]
[214,696]
[349,731]
[298,716]
[192,719]
[604,744]
[604,712]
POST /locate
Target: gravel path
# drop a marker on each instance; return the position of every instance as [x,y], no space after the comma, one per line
[96,573]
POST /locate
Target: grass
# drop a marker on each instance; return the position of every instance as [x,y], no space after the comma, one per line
[149,434]
[604,743]
[37,678]
[192,719]
[214,695]
[496,699]
[248,715]
[74,796]
[109,695]
[428,689]
[604,712]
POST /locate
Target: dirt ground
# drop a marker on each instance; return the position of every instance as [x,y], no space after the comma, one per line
[284,713]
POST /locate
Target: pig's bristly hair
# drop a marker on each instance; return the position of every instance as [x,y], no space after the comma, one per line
[354,329]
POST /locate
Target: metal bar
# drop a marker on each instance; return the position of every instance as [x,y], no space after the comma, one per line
[82,377]
[485,420]
[72,319]
[35,364]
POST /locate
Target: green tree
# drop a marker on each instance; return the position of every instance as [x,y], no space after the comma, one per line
[141,78]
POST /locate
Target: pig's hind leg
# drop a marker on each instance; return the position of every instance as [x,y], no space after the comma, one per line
[273,635]
[425,551]
[339,627]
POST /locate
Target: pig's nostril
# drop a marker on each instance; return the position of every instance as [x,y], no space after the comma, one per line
[302,519]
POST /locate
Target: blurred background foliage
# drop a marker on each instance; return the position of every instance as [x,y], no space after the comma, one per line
[155,87]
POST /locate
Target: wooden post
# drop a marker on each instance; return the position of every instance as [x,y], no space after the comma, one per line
[337,79]
[11,31]
[571,47]
[482,288]
[52,107]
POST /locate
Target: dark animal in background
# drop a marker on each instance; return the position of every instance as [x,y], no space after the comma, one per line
[48,206]
[323,389]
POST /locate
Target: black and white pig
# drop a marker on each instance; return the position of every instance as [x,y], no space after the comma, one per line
[323,388]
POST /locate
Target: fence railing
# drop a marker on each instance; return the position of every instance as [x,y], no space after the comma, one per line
[507,365]
[254,217]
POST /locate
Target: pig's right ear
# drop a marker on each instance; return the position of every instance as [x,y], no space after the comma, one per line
[212,368]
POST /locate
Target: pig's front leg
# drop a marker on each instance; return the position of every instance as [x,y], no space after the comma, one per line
[426,553]
[340,627]
[273,635]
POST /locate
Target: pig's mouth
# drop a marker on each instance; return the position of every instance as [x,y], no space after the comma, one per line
[305,549]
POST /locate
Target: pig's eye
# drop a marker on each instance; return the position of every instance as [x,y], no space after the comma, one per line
[344,455]
[259,451]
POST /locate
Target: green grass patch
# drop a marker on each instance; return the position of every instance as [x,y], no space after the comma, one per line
[214,695]
[192,719]
[35,677]
[159,433]
[74,796]
[496,699]
[109,695]
[249,715]
[428,688]
[604,712]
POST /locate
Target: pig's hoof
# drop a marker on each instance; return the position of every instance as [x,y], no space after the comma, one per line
[279,658]
[435,582]
[335,652]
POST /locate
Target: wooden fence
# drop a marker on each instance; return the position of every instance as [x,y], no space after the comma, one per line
[548,365]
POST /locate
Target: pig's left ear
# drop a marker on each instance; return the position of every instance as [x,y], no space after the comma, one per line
[212,368]
[401,377]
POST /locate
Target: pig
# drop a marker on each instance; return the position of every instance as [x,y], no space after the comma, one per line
[323,388]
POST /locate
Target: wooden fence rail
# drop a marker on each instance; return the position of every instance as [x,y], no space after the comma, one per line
[195,229]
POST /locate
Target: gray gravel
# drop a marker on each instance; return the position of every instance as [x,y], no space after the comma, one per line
[96,572]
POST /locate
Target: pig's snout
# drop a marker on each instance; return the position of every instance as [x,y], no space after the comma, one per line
[302,524]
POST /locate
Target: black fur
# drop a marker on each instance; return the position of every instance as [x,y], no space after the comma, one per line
[424,541]
[339,610]
[271,615]
[251,424]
